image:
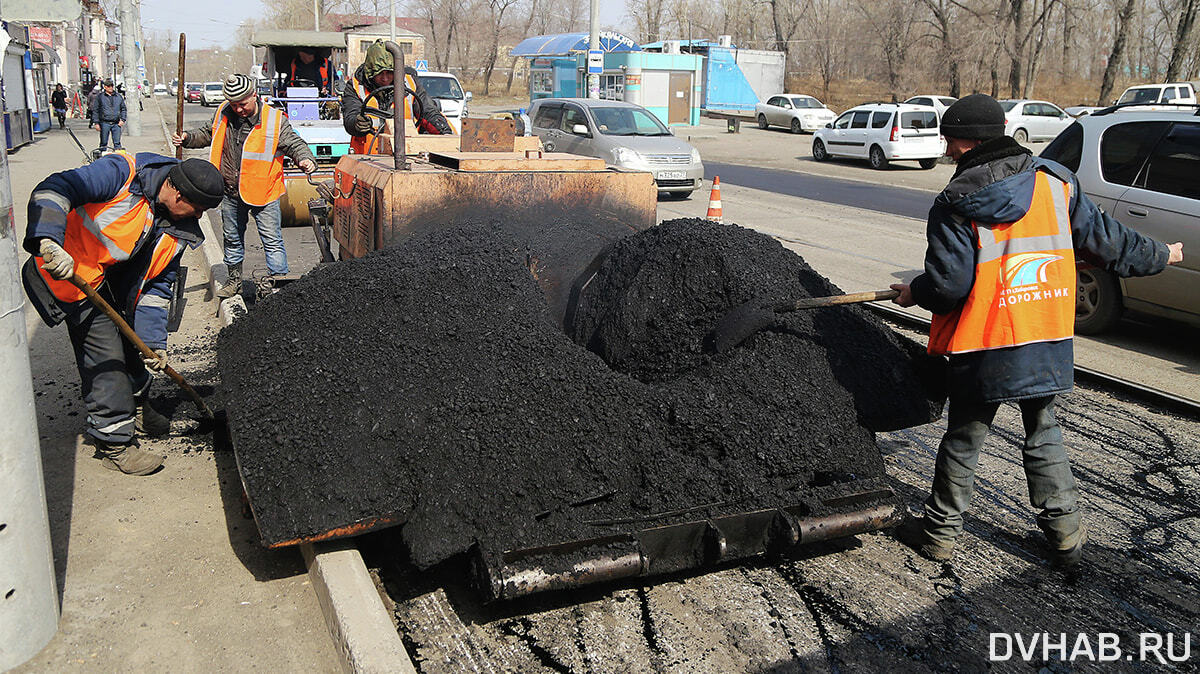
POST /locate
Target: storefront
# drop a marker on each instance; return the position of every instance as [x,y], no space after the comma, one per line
[18,94]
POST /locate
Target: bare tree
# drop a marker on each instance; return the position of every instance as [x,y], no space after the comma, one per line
[942,21]
[496,10]
[647,16]
[892,23]
[1183,37]
[1118,50]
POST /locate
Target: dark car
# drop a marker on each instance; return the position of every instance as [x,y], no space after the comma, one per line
[194,89]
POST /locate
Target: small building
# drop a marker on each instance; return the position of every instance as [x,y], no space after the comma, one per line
[668,85]
[359,39]
[734,78]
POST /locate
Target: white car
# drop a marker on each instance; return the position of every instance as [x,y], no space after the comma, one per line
[1152,94]
[792,111]
[939,103]
[882,133]
[160,90]
[211,94]
[1033,120]
[445,89]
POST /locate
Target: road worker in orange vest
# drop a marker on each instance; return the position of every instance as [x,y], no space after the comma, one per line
[120,224]
[249,142]
[1003,240]
[376,71]
[309,66]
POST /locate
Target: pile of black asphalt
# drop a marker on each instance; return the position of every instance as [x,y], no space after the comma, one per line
[430,384]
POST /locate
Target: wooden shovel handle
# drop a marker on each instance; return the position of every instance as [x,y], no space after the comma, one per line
[849,298]
[133,338]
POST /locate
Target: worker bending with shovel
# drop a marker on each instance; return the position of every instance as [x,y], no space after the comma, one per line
[375,80]
[249,141]
[999,277]
[118,225]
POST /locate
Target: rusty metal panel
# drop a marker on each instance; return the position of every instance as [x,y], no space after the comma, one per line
[488,135]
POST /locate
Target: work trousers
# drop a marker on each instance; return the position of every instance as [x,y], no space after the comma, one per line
[111,372]
[235,214]
[113,128]
[1052,490]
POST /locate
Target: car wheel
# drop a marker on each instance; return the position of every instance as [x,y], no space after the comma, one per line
[796,126]
[1098,305]
[928,163]
[762,122]
[1021,136]
[818,150]
[878,159]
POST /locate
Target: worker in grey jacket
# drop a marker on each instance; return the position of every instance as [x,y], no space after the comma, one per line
[249,141]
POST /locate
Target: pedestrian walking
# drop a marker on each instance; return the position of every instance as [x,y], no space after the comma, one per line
[108,115]
[58,101]
[999,277]
[249,141]
[120,225]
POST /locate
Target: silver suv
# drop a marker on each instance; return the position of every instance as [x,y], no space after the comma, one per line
[622,134]
[1141,167]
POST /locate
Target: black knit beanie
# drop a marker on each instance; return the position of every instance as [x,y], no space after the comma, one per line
[977,116]
[199,182]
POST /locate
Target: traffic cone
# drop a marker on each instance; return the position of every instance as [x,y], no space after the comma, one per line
[714,201]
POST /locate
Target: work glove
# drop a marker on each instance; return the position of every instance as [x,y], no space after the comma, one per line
[56,261]
[362,125]
[158,364]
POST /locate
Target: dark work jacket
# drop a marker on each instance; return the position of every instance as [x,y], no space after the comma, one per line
[994,184]
[99,182]
[109,109]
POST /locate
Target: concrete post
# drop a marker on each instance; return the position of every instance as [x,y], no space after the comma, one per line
[129,62]
[593,81]
[28,595]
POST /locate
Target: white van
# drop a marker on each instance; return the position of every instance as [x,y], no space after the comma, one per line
[445,89]
[1152,94]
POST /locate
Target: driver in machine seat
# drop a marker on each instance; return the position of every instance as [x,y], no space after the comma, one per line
[378,70]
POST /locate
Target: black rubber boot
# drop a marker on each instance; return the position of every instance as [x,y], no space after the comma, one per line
[150,422]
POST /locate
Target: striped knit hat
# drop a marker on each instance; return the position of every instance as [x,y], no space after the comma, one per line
[237,87]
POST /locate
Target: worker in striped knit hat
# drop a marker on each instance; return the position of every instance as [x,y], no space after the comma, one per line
[248,142]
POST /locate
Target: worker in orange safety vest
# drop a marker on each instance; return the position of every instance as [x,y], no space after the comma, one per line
[999,277]
[248,142]
[119,225]
[376,71]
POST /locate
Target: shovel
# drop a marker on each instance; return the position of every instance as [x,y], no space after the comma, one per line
[747,319]
[133,338]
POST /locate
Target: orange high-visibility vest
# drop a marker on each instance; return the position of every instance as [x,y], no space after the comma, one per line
[1024,288]
[101,235]
[360,144]
[260,177]
[323,69]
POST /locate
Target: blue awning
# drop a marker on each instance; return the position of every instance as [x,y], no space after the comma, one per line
[565,44]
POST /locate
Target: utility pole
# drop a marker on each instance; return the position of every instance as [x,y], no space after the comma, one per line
[392,20]
[593,79]
[29,607]
[316,14]
[129,61]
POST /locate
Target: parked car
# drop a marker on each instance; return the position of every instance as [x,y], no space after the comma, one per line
[145,88]
[160,90]
[210,94]
[1033,120]
[173,88]
[1150,94]
[939,103]
[1082,109]
[883,133]
[445,89]
[193,91]
[623,134]
[1140,166]
[791,111]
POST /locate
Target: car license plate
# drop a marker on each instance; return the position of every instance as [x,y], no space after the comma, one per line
[672,175]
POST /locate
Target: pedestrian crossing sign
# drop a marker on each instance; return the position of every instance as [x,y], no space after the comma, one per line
[421,65]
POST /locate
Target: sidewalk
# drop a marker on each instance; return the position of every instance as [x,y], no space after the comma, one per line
[162,572]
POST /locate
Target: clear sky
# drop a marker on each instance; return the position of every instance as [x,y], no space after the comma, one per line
[213,22]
